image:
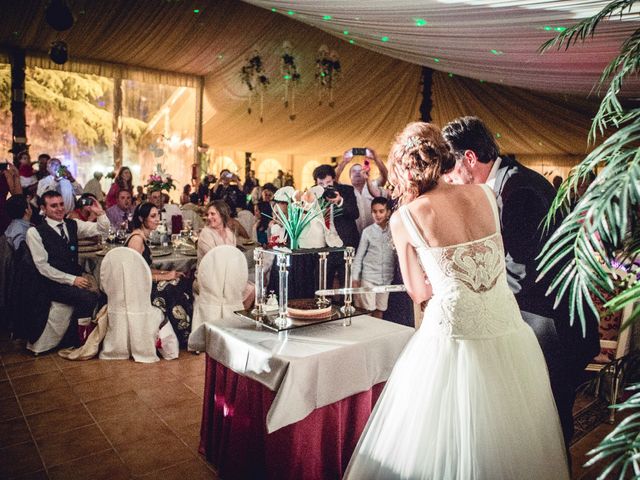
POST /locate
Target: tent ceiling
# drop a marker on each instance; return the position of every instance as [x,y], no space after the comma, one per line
[496,41]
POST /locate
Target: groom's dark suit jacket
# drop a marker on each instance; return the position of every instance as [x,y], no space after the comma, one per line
[524,198]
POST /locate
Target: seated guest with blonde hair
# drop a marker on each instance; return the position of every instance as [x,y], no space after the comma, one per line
[217,232]
[171,290]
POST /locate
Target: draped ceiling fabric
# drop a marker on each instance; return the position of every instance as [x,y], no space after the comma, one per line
[492,40]
[163,41]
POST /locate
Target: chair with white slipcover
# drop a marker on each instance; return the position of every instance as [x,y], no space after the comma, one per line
[222,277]
[133,322]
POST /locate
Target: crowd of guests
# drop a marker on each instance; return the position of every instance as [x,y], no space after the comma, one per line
[48,215]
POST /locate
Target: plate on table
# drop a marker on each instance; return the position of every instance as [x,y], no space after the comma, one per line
[187,252]
[91,248]
[161,252]
[86,243]
[248,242]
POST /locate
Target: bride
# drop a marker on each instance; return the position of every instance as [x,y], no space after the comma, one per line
[469,398]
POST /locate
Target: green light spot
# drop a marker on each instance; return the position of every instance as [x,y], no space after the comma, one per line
[196,10]
[437,60]
[352,41]
[498,135]
[327,17]
[451,75]
[220,56]
[420,22]
[287,77]
[481,81]
[323,74]
[385,39]
[274,10]
[548,28]
[291,12]
[346,32]
[560,29]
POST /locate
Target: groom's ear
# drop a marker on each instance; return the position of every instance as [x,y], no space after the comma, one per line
[471,158]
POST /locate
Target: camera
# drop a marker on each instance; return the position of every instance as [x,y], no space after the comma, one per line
[228,175]
[3,166]
[359,151]
[329,193]
[85,202]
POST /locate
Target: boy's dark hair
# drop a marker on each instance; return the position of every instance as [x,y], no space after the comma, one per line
[16,206]
[323,171]
[47,194]
[380,201]
[193,198]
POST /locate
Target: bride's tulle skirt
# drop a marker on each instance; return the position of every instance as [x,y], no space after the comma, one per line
[464,409]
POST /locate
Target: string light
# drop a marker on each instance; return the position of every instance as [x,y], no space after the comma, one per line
[326,17]
[420,22]
[384,39]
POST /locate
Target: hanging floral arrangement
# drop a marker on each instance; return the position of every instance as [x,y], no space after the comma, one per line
[291,77]
[327,73]
[254,77]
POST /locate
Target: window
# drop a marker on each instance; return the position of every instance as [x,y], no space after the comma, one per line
[268,170]
[69,116]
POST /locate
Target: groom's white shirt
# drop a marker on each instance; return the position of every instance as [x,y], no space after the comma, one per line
[491,179]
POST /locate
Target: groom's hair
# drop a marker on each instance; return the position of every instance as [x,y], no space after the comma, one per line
[470,133]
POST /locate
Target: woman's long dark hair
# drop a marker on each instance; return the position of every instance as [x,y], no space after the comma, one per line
[120,181]
[141,213]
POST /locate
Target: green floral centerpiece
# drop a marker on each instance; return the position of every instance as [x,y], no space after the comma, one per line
[302,209]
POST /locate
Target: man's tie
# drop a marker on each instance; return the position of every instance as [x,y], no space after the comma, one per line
[62,234]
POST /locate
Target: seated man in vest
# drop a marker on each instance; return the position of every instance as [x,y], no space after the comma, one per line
[54,249]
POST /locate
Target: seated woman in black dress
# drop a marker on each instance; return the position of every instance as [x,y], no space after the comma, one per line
[171,290]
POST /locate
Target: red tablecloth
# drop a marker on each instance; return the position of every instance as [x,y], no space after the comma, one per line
[233,435]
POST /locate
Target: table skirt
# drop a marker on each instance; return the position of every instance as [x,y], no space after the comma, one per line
[233,435]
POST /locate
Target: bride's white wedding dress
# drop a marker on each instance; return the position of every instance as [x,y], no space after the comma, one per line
[469,398]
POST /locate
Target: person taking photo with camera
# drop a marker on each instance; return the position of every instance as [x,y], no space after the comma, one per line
[344,213]
[60,180]
[365,187]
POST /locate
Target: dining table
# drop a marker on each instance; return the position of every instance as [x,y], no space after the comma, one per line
[295,406]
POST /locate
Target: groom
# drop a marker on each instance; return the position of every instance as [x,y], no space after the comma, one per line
[524,198]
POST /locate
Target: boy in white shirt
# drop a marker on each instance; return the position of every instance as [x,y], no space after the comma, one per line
[374,261]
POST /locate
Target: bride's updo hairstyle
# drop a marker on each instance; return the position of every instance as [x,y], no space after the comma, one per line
[418,158]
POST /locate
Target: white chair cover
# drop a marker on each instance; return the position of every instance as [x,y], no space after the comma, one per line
[248,221]
[55,328]
[133,323]
[222,276]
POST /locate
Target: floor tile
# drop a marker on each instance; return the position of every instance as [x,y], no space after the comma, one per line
[116,405]
[40,475]
[163,394]
[31,367]
[9,408]
[195,383]
[59,420]
[181,414]
[80,372]
[19,460]
[101,466]
[3,373]
[192,470]
[33,403]
[38,382]
[73,444]
[18,356]
[14,431]
[133,426]
[154,453]
[97,389]
[190,435]
[6,390]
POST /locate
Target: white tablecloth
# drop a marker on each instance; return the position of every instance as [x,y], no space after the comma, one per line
[314,367]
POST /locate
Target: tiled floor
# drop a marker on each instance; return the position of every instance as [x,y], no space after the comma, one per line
[119,419]
[100,420]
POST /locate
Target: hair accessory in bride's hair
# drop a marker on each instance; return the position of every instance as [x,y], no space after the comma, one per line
[413,142]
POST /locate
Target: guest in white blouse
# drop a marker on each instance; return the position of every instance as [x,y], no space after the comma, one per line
[217,232]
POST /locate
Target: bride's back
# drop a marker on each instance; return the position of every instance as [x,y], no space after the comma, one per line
[453,214]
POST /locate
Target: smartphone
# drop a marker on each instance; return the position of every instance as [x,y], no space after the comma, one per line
[86,202]
[359,151]
[228,175]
